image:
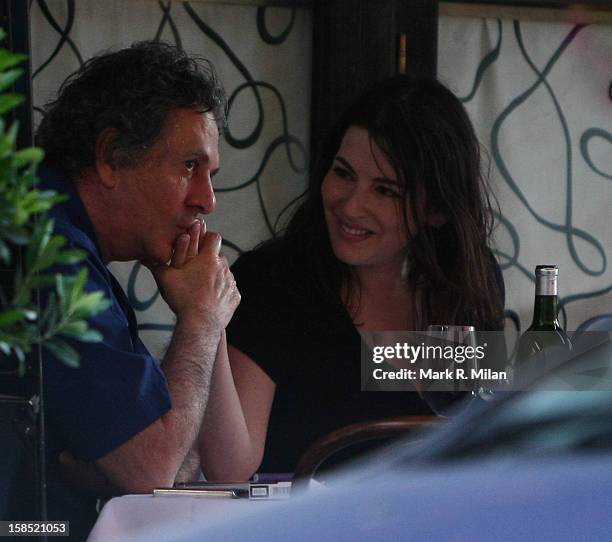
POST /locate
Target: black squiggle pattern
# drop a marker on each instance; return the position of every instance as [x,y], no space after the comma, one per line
[485,63]
[233,246]
[136,303]
[281,140]
[63,32]
[511,260]
[584,295]
[167,18]
[568,148]
[568,229]
[287,140]
[263,30]
[216,38]
[587,136]
[509,257]
[256,178]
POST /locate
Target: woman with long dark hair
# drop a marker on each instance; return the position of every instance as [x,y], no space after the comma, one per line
[393,234]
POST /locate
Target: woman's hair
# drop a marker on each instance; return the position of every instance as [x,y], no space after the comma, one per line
[133,91]
[426,134]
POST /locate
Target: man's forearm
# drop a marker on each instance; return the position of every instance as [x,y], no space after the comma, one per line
[188,366]
[153,457]
[201,291]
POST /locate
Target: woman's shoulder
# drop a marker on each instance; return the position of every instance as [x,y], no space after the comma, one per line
[272,263]
[262,261]
[277,270]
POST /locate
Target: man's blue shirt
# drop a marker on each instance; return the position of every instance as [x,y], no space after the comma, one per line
[119,389]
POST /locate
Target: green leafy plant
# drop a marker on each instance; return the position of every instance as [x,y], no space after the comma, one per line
[29,249]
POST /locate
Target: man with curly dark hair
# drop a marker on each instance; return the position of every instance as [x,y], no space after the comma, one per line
[132,139]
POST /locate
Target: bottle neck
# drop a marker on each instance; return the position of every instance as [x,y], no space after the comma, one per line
[545,311]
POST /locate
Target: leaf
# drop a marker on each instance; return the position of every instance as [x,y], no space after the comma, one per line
[47,256]
[74,329]
[13,316]
[5,253]
[90,304]
[9,77]
[24,223]
[63,351]
[77,284]
[28,156]
[50,313]
[21,358]
[69,257]
[42,280]
[60,288]
[91,336]
[35,201]
[11,135]
[10,317]
[32,206]
[15,234]
[9,101]
[40,238]
[52,195]
[81,331]
[8,59]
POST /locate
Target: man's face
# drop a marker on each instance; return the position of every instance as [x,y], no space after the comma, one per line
[169,186]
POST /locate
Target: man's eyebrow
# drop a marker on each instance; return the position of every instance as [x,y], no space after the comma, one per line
[196,154]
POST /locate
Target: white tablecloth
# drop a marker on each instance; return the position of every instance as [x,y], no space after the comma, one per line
[133,516]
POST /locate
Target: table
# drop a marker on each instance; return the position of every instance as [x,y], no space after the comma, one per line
[131,517]
[506,498]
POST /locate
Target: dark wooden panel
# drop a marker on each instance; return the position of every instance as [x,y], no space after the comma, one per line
[606,4]
[15,20]
[419,21]
[355,45]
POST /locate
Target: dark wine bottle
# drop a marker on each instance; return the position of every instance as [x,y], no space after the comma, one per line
[544,341]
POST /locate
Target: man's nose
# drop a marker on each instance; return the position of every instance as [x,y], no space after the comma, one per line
[203,195]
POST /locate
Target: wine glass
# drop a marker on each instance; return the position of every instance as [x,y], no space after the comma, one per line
[456,381]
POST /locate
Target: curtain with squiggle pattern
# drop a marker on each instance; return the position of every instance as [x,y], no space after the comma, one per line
[540,95]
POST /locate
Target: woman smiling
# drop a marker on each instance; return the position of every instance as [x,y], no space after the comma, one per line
[392,234]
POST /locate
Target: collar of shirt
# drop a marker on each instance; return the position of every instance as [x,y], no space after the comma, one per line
[70,210]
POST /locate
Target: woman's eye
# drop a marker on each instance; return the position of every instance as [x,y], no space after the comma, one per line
[341,172]
[190,164]
[387,192]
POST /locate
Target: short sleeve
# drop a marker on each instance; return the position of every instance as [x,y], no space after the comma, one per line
[117,391]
